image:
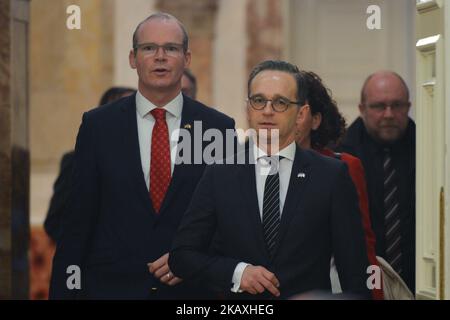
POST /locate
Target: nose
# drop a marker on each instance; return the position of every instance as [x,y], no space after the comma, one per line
[160,53]
[268,109]
[388,112]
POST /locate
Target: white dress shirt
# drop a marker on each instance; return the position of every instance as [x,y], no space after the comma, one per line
[284,171]
[145,123]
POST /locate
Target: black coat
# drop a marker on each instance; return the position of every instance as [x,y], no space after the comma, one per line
[358,143]
[61,188]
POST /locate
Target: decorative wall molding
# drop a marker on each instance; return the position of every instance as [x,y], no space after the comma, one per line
[429,164]
[428,5]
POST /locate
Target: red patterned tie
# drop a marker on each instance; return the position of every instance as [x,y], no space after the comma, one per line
[160,161]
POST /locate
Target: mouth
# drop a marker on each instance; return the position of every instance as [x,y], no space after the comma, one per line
[160,71]
[389,127]
[267,125]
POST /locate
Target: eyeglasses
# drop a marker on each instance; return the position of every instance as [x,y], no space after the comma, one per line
[170,49]
[396,106]
[279,104]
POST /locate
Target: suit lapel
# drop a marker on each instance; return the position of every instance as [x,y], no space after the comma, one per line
[133,156]
[188,115]
[297,182]
[245,175]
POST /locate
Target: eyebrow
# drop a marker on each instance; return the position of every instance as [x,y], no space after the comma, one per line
[274,97]
[164,44]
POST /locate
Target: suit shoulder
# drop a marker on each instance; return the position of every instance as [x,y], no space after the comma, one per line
[208,113]
[353,137]
[322,160]
[111,109]
[67,159]
[351,160]
[68,156]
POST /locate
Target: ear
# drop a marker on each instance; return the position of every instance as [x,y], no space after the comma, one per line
[187,59]
[132,59]
[361,109]
[303,112]
[247,111]
[317,120]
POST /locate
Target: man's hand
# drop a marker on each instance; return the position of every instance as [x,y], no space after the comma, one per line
[160,269]
[257,279]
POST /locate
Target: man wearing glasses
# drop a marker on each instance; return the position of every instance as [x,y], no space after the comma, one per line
[284,212]
[129,192]
[384,139]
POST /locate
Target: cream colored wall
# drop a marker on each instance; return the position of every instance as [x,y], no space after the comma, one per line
[69,74]
[331,38]
[433,161]
[126,16]
[229,60]
[447,155]
[69,71]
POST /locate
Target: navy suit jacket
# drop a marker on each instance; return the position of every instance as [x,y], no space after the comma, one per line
[110,229]
[320,218]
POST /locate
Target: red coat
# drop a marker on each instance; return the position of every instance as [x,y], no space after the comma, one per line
[356,171]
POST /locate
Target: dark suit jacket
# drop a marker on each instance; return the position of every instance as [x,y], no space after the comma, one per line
[356,171]
[320,218]
[111,230]
[358,143]
[58,203]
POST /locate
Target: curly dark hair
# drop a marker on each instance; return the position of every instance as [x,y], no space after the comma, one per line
[319,98]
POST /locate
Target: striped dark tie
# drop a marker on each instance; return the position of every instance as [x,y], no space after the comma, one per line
[271,208]
[391,214]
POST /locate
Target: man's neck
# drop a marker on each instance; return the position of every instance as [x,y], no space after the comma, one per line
[270,149]
[159,97]
[304,144]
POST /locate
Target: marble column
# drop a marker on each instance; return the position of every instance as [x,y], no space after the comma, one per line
[14,149]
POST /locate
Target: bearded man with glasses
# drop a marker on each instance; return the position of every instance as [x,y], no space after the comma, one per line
[384,139]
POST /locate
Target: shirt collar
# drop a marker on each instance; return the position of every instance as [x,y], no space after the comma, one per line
[287,152]
[145,106]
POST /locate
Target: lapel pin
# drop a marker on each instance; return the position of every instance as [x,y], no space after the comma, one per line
[301,175]
[187,126]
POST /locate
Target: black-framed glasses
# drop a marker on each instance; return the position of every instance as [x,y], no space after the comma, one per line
[279,104]
[396,106]
[170,49]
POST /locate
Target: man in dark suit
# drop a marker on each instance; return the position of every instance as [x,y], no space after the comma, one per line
[129,190]
[384,138]
[278,218]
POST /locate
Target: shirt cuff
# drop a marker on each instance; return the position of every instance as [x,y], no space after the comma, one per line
[237,276]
